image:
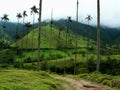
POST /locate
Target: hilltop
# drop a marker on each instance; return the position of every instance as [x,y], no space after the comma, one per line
[58,38]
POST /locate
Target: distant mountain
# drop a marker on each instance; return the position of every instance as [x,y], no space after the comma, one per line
[7,37]
[108,35]
[11,30]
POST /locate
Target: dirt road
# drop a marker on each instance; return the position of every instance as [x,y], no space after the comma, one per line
[80,84]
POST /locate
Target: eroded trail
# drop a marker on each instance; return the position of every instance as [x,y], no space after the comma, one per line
[81,84]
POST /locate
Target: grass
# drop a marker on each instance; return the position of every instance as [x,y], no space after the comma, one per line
[13,79]
[109,80]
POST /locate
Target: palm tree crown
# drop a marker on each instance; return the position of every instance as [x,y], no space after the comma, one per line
[5,18]
[34,9]
[69,19]
[28,25]
[24,14]
[88,17]
[19,15]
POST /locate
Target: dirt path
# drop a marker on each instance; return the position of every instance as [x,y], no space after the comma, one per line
[81,84]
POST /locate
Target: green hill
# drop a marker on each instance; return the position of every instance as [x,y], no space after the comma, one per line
[58,41]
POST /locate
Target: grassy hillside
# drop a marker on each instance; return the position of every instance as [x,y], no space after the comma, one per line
[57,41]
[13,79]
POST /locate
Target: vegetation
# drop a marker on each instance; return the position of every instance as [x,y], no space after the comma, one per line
[57,46]
[13,79]
[109,80]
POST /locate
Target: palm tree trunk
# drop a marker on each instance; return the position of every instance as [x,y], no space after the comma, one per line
[88,41]
[22,33]
[40,13]
[66,41]
[33,35]
[3,43]
[17,37]
[27,42]
[51,25]
[76,43]
[98,35]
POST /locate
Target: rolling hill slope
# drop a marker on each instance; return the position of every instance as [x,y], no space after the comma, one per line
[58,41]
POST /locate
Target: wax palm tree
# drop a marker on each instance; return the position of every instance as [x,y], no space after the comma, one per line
[34,10]
[19,16]
[4,19]
[76,42]
[28,26]
[98,36]
[51,32]
[68,20]
[24,14]
[39,32]
[88,18]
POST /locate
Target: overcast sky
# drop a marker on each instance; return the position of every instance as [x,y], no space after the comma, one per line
[110,10]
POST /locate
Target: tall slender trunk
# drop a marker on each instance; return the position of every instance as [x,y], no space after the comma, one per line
[66,42]
[33,36]
[76,43]
[17,37]
[2,55]
[40,13]
[51,34]
[22,34]
[88,41]
[27,41]
[98,35]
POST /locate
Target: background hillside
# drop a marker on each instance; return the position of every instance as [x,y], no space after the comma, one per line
[58,38]
[108,35]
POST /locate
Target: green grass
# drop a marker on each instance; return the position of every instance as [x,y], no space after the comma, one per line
[13,79]
[109,80]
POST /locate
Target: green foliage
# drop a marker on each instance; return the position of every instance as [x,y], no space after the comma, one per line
[8,56]
[110,66]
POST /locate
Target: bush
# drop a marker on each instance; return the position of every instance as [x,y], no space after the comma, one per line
[82,70]
[110,66]
[91,65]
[18,64]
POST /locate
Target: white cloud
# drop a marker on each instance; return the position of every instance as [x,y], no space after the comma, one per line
[110,9]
